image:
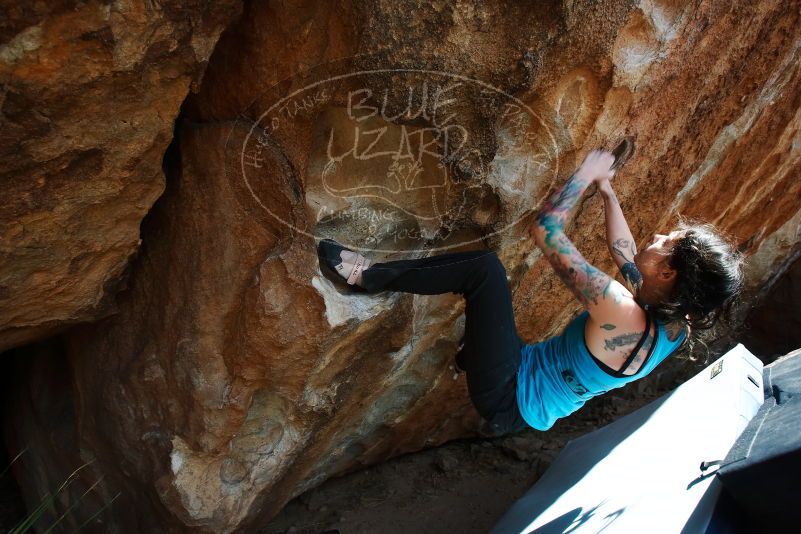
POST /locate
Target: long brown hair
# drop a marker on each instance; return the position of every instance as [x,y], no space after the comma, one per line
[709,280]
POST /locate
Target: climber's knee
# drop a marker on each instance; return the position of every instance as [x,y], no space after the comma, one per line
[487,267]
[494,265]
[490,260]
[498,262]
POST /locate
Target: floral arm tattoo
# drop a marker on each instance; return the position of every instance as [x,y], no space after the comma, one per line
[587,283]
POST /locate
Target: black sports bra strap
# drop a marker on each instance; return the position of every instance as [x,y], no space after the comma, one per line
[639,343]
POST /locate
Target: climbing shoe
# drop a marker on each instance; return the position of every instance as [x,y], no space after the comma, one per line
[331,263]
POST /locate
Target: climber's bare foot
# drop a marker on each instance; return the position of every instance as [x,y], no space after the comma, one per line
[349,259]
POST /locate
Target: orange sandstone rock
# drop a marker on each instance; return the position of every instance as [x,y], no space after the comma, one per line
[233,377]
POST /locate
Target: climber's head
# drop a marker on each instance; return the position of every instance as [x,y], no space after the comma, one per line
[653,262]
[690,275]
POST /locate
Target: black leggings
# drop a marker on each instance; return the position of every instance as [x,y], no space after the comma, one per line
[491,353]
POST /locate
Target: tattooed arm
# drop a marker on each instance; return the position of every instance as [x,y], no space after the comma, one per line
[600,294]
[616,322]
[621,244]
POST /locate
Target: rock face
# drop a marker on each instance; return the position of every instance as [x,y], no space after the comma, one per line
[234,376]
[89,96]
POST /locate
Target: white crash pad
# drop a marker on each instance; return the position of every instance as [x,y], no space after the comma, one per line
[642,472]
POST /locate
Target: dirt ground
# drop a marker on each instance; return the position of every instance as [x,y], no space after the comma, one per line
[463,486]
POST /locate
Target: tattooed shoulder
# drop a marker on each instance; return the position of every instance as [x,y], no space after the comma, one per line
[621,340]
[622,345]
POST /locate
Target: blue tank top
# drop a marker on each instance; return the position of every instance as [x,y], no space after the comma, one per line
[557,376]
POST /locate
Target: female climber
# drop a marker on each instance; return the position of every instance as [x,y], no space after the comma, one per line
[678,284]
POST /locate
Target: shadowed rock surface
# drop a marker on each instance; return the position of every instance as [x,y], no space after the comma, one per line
[773,327]
[232,376]
[89,95]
